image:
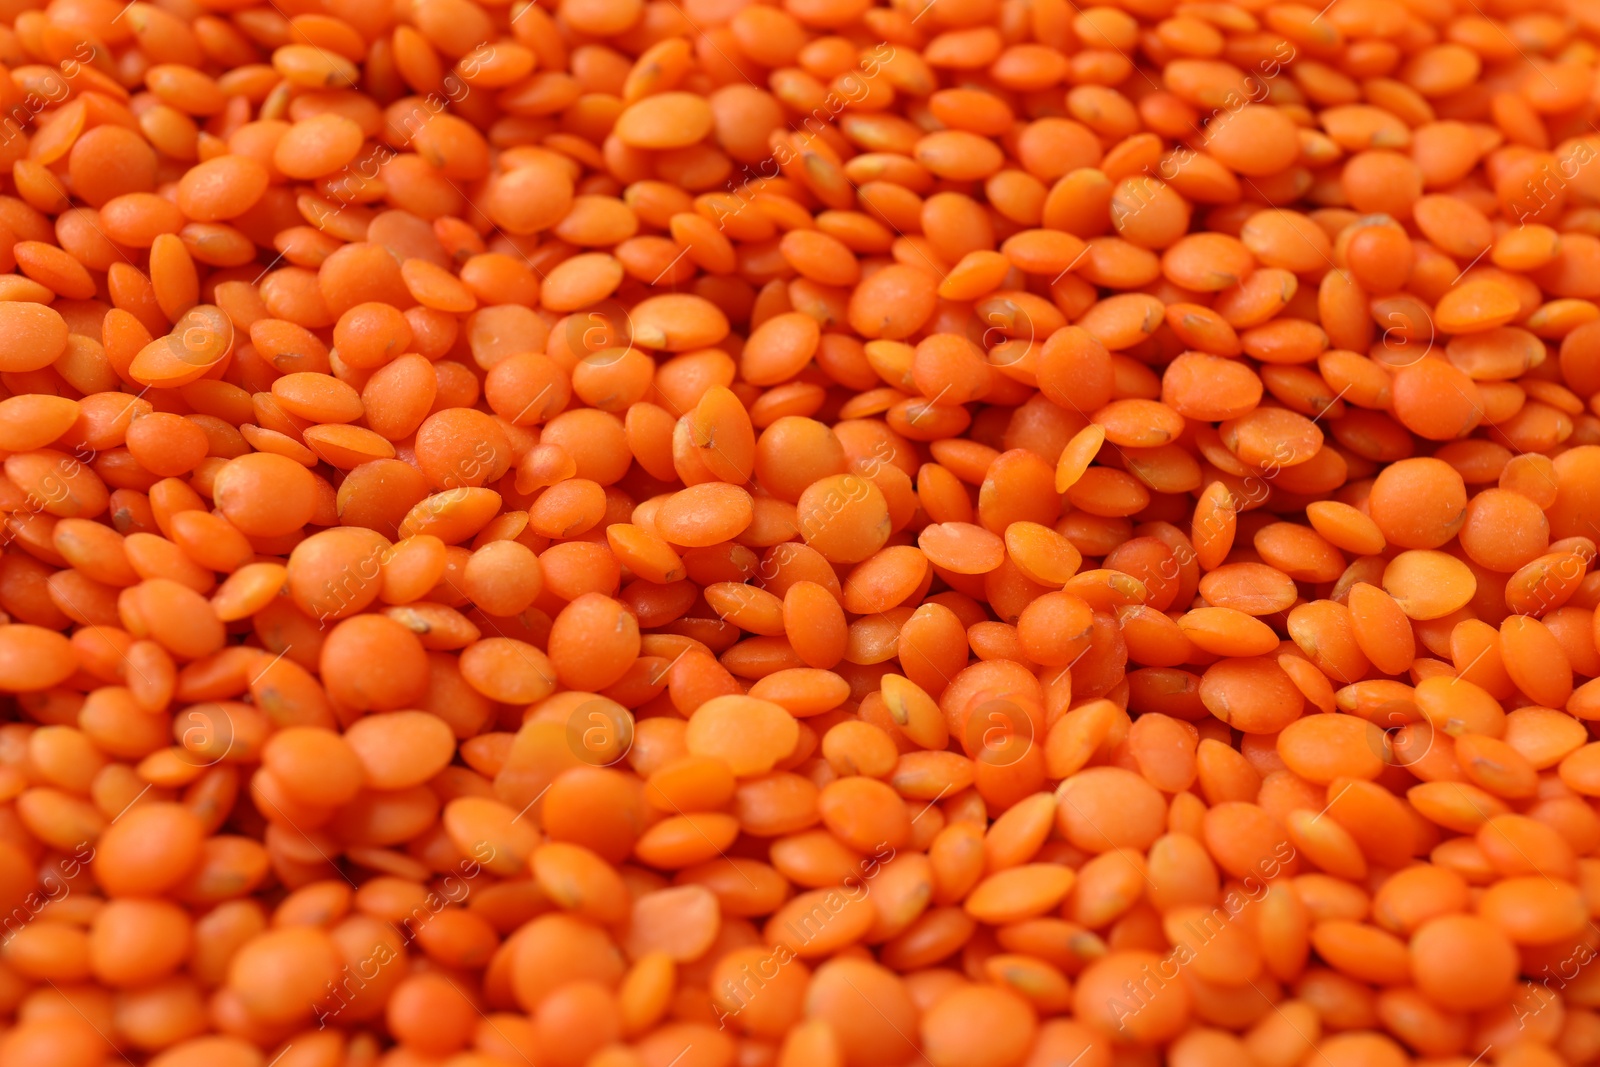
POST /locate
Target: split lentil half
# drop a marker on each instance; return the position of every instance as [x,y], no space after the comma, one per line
[799,533]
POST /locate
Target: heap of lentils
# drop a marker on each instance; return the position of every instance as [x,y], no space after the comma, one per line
[820,533]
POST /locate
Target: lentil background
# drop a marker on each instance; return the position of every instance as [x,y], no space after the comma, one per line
[721,533]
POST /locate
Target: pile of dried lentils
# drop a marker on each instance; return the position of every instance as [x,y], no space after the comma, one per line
[722,533]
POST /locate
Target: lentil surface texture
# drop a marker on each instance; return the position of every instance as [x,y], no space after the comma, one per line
[799,533]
